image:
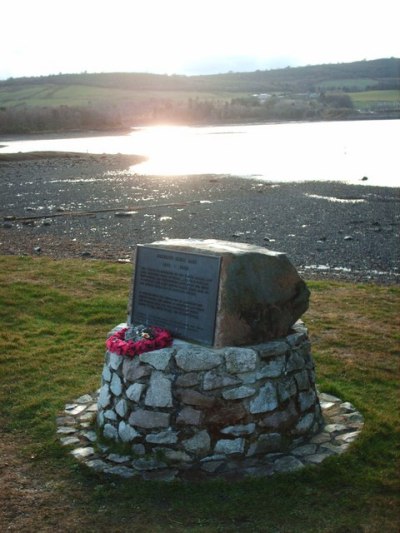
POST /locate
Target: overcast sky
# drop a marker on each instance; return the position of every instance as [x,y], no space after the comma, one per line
[39,37]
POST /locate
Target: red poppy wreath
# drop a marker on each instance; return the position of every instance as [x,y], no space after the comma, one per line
[138,339]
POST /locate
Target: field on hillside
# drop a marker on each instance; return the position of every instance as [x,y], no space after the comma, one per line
[52,95]
[372,98]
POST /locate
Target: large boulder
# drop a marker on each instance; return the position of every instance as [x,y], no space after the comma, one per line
[261,294]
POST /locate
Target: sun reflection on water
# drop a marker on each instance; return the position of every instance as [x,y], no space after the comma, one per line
[337,151]
[340,151]
[177,150]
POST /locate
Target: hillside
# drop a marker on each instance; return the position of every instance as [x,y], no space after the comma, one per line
[64,102]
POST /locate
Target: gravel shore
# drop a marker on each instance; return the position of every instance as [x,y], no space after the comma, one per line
[95,206]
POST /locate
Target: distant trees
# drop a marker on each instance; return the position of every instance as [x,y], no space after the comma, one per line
[24,119]
[337,100]
[104,116]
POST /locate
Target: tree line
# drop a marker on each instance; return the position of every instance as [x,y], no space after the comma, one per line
[106,116]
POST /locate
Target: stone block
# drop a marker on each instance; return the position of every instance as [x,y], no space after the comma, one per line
[114,361]
[110,432]
[106,375]
[196,359]
[225,413]
[100,418]
[306,400]
[281,420]
[158,359]
[66,430]
[273,369]
[192,397]
[117,458]
[229,446]
[104,396]
[190,416]
[133,370]
[69,441]
[110,414]
[82,453]
[149,419]
[240,360]
[272,349]
[295,339]
[215,380]
[121,471]
[163,437]
[138,449]
[286,388]
[116,385]
[302,380]
[189,379]
[176,456]
[97,465]
[134,392]
[148,463]
[287,464]
[121,408]
[238,393]
[266,400]
[295,362]
[303,451]
[199,444]
[304,425]
[261,294]
[268,443]
[248,377]
[159,391]
[211,466]
[240,430]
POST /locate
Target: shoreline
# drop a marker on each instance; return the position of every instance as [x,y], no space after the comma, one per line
[11,157]
[12,137]
[95,206]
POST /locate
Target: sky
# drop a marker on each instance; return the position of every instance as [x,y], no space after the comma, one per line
[41,37]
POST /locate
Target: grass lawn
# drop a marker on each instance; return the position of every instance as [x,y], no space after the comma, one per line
[55,316]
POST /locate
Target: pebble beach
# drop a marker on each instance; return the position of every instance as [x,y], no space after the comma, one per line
[97,207]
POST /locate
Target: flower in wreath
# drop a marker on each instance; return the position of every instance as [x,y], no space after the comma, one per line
[138,339]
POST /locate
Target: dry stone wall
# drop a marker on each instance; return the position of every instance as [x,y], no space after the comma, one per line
[197,406]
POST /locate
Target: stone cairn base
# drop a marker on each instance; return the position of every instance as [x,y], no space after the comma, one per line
[189,412]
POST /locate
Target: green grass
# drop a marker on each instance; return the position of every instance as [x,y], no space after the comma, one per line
[367,99]
[377,96]
[55,316]
[51,95]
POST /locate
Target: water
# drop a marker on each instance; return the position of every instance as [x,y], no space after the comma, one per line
[338,151]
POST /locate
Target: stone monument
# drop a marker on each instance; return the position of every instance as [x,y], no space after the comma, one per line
[216,292]
[237,386]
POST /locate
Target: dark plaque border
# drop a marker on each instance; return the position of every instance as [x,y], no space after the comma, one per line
[178,291]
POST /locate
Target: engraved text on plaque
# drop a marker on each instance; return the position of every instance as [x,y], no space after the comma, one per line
[177,291]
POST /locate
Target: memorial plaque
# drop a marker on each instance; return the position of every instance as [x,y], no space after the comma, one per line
[177,291]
